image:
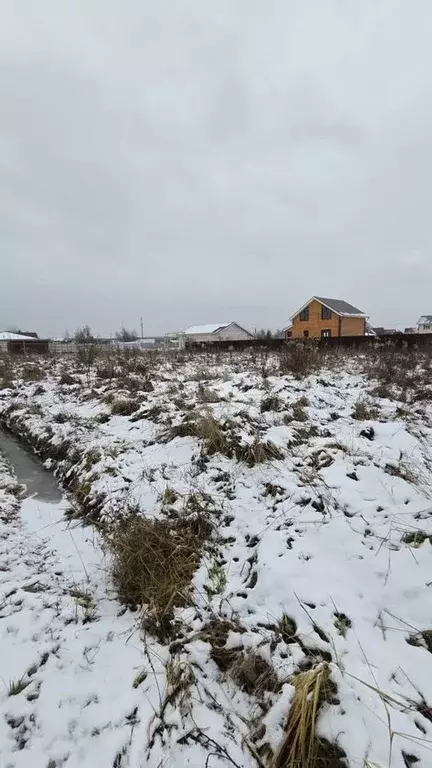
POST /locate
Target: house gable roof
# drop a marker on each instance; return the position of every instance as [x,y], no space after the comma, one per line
[339,306]
[210,328]
[213,328]
[9,336]
[425,319]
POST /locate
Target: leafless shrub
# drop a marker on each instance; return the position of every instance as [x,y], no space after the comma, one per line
[6,373]
[300,359]
[32,373]
[398,371]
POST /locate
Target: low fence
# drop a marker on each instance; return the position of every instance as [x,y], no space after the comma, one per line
[58,349]
[27,347]
[397,340]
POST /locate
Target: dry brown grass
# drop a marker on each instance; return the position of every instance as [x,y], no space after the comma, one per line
[364,411]
[206,394]
[258,452]
[271,403]
[32,372]
[298,409]
[123,407]
[153,562]
[253,673]
[302,747]
[214,434]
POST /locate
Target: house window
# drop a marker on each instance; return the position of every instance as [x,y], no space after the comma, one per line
[306,334]
[326,333]
[326,313]
[289,334]
[304,314]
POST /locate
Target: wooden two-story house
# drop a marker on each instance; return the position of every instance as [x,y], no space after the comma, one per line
[323,318]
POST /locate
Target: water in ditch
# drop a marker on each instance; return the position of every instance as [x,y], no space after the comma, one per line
[29,470]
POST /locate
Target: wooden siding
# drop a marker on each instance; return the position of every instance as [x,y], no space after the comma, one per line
[353,326]
[337,325]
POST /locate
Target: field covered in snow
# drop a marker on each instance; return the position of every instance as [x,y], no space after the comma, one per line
[239,572]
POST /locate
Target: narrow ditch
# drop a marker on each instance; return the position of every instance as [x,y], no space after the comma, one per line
[29,470]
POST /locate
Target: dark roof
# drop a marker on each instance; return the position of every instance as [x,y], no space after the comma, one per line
[425,319]
[380,331]
[339,306]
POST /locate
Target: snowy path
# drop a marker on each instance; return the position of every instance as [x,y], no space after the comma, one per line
[68,660]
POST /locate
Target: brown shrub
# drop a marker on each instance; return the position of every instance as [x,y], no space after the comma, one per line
[300,359]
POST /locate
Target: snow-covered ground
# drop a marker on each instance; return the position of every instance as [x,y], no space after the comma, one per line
[319,493]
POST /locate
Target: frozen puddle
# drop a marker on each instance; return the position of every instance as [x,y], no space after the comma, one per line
[68,659]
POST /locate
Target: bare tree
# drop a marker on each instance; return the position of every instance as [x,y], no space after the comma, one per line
[126,335]
[87,350]
[84,335]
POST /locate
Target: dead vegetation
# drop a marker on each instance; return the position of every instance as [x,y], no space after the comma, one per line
[271,403]
[222,437]
[302,747]
[300,359]
[364,411]
[421,640]
[123,407]
[416,538]
[153,562]
[247,668]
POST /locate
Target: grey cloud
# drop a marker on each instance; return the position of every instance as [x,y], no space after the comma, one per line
[196,162]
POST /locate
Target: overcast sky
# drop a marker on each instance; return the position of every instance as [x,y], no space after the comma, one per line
[197,162]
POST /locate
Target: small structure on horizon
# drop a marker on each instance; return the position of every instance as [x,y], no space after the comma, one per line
[381,331]
[214,332]
[424,324]
[19,344]
[322,318]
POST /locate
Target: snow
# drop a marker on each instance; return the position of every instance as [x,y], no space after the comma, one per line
[8,336]
[316,535]
[210,328]
[78,676]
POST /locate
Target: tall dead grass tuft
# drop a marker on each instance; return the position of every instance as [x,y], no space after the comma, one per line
[258,452]
[302,747]
[216,439]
